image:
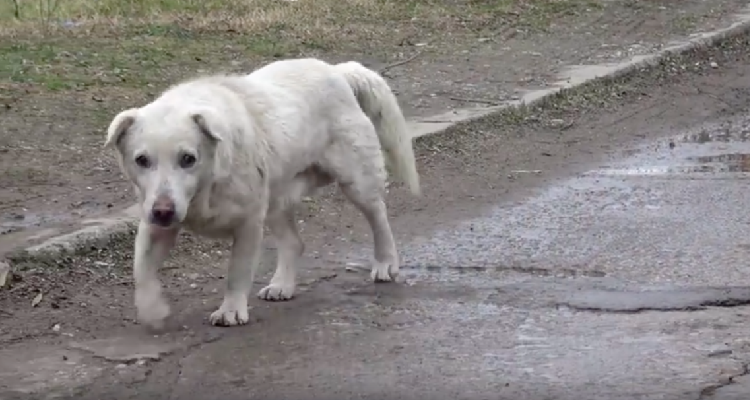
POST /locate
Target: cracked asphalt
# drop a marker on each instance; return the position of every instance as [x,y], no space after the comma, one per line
[606,259]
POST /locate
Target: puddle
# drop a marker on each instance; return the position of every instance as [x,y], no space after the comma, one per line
[17,229]
[735,163]
[719,151]
[32,229]
[16,221]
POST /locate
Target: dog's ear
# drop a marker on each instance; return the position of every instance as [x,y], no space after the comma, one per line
[211,131]
[119,127]
[216,131]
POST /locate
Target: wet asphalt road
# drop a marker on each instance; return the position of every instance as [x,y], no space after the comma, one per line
[647,252]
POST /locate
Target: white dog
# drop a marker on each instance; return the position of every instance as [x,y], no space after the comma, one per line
[224,155]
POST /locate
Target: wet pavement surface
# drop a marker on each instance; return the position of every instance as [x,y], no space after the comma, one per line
[624,276]
[621,282]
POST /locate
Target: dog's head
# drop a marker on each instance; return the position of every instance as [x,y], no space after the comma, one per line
[168,154]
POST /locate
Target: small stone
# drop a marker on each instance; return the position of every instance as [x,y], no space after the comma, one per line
[56,328]
[713,64]
[557,121]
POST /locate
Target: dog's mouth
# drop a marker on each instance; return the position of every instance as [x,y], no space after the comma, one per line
[162,226]
[159,232]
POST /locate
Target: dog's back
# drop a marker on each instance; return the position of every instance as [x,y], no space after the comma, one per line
[330,91]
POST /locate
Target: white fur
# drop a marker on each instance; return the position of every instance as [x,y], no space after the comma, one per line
[262,141]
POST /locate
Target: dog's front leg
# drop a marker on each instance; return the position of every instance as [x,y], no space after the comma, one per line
[246,252]
[152,247]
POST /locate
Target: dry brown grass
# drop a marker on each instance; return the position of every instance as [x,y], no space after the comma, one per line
[83,16]
[247,16]
[314,18]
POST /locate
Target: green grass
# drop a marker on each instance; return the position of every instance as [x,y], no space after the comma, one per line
[60,45]
[75,64]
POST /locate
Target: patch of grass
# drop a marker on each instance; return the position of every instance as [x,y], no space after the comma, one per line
[73,44]
[64,63]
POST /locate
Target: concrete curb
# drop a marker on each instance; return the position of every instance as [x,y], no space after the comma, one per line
[99,233]
[577,77]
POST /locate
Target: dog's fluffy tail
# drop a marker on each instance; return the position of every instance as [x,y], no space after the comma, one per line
[379,103]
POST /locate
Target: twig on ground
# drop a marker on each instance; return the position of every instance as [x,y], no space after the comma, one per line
[399,63]
[481,101]
[437,121]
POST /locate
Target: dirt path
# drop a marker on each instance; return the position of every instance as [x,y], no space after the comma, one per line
[85,315]
[65,90]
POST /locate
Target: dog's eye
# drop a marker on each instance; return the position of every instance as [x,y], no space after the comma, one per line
[143,161]
[187,160]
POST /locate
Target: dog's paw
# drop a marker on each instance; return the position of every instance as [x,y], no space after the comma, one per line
[231,313]
[276,292]
[384,271]
[152,310]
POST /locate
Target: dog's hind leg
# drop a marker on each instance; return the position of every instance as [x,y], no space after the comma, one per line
[361,174]
[366,198]
[290,247]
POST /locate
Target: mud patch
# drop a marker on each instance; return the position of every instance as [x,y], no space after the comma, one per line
[139,346]
[44,369]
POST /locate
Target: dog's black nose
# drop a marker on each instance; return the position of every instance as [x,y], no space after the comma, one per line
[163,212]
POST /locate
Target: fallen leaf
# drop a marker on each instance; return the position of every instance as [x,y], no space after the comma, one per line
[4,270]
[37,300]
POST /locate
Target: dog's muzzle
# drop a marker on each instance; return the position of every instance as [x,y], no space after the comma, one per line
[163,212]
